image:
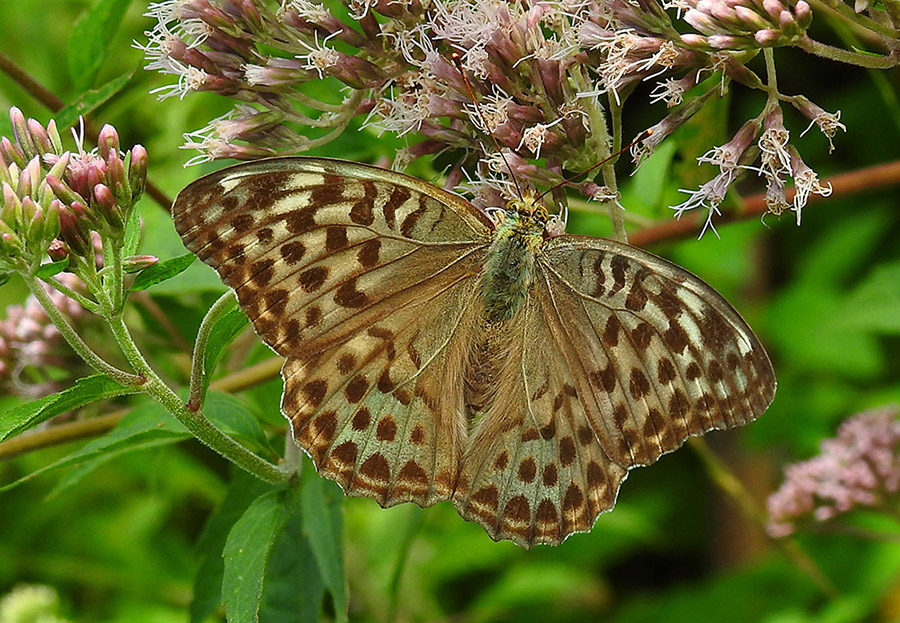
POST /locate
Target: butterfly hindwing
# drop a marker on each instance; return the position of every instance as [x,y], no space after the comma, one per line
[655,354]
[361,277]
[534,471]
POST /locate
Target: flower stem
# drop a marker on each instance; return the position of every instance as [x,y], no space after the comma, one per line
[609,173]
[731,485]
[74,340]
[204,430]
[198,359]
[85,302]
[869,61]
[96,426]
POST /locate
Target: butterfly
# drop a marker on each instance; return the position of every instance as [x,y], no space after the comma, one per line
[435,351]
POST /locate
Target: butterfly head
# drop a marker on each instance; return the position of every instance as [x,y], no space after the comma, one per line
[529,215]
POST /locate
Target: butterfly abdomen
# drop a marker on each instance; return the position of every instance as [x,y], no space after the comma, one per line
[509,269]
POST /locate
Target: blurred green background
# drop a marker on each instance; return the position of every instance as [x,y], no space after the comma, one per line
[825,298]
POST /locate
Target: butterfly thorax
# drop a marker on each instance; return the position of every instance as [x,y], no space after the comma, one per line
[509,268]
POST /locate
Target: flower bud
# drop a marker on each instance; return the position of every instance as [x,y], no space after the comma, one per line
[11,244]
[136,263]
[55,139]
[74,233]
[34,231]
[83,213]
[137,171]
[117,179]
[62,190]
[11,152]
[20,132]
[105,205]
[51,219]
[107,141]
[12,207]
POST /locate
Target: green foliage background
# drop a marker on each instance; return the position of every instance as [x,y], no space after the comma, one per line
[119,532]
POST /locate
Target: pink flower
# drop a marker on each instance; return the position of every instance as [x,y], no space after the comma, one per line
[859,467]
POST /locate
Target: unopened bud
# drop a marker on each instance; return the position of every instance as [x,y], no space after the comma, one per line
[107,141]
[20,132]
[34,231]
[51,219]
[137,171]
[105,205]
[55,139]
[11,152]
[117,179]
[62,190]
[76,236]
[10,244]
[83,213]
[137,263]
[29,178]
[12,205]
[40,136]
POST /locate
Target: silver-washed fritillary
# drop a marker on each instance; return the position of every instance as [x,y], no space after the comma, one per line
[435,354]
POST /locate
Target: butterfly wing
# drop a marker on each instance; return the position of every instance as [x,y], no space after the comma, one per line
[533,471]
[364,279]
[655,354]
[616,358]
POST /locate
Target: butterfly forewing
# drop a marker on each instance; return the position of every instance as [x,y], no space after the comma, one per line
[655,354]
[361,278]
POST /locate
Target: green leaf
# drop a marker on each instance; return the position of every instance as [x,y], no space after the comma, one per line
[233,417]
[89,101]
[162,271]
[242,490]
[132,232]
[86,390]
[92,34]
[649,181]
[294,589]
[52,268]
[246,554]
[145,427]
[322,524]
[228,326]
[875,304]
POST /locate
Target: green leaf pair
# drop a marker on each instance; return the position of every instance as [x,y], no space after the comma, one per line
[270,553]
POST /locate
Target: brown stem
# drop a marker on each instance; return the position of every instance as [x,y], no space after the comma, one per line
[96,426]
[843,184]
[54,104]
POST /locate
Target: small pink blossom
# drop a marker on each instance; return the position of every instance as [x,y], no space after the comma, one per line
[858,468]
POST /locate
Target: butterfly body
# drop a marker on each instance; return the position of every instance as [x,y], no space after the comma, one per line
[509,266]
[435,354]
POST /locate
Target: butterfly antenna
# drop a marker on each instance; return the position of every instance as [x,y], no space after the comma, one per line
[640,137]
[457,61]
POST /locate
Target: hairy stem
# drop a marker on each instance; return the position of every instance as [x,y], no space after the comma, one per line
[194,421]
[74,340]
[71,431]
[198,358]
[869,61]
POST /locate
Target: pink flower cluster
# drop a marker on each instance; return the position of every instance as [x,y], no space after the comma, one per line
[29,343]
[858,468]
[551,79]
